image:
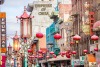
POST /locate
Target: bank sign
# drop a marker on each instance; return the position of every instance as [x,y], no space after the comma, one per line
[43,7]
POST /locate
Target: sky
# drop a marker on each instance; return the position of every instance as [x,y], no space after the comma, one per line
[13,8]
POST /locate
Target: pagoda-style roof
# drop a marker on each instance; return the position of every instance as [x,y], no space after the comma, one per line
[24,15]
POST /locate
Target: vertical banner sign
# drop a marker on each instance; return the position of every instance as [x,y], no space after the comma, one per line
[3,31]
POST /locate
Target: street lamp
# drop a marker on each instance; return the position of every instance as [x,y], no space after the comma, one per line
[16,47]
[16,42]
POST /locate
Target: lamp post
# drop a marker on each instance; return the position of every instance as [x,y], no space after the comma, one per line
[15,47]
[26,33]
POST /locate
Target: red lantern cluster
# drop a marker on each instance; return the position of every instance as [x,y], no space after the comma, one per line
[57,36]
[94,37]
[39,35]
[76,37]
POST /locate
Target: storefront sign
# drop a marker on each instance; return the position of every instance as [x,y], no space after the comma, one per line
[3,33]
[78,61]
[82,60]
[75,62]
[42,7]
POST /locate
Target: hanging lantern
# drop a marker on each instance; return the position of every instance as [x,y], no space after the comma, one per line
[25,25]
[40,57]
[76,37]
[57,36]
[40,51]
[70,53]
[51,52]
[39,35]
[16,42]
[47,57]
[94,37]
[29,51]
[85,51]
[67,55]
[9,49]
[31,56]
[74,52]
[71,43]
[54,56]
[63,53]
[95,49]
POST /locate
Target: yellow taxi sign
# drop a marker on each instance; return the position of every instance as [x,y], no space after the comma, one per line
[2,14]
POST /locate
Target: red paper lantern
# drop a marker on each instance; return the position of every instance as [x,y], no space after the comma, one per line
[40,51]
[57,36]
[67,55]
[76,37]
[71,43]
[95,49]
[63,53]
[29,50]
[31,56]
[47,57]
[54,56]
[70,53]
[51,52]
[85,51]
[40,57]
[73,52]
[39,35]
[94,37]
